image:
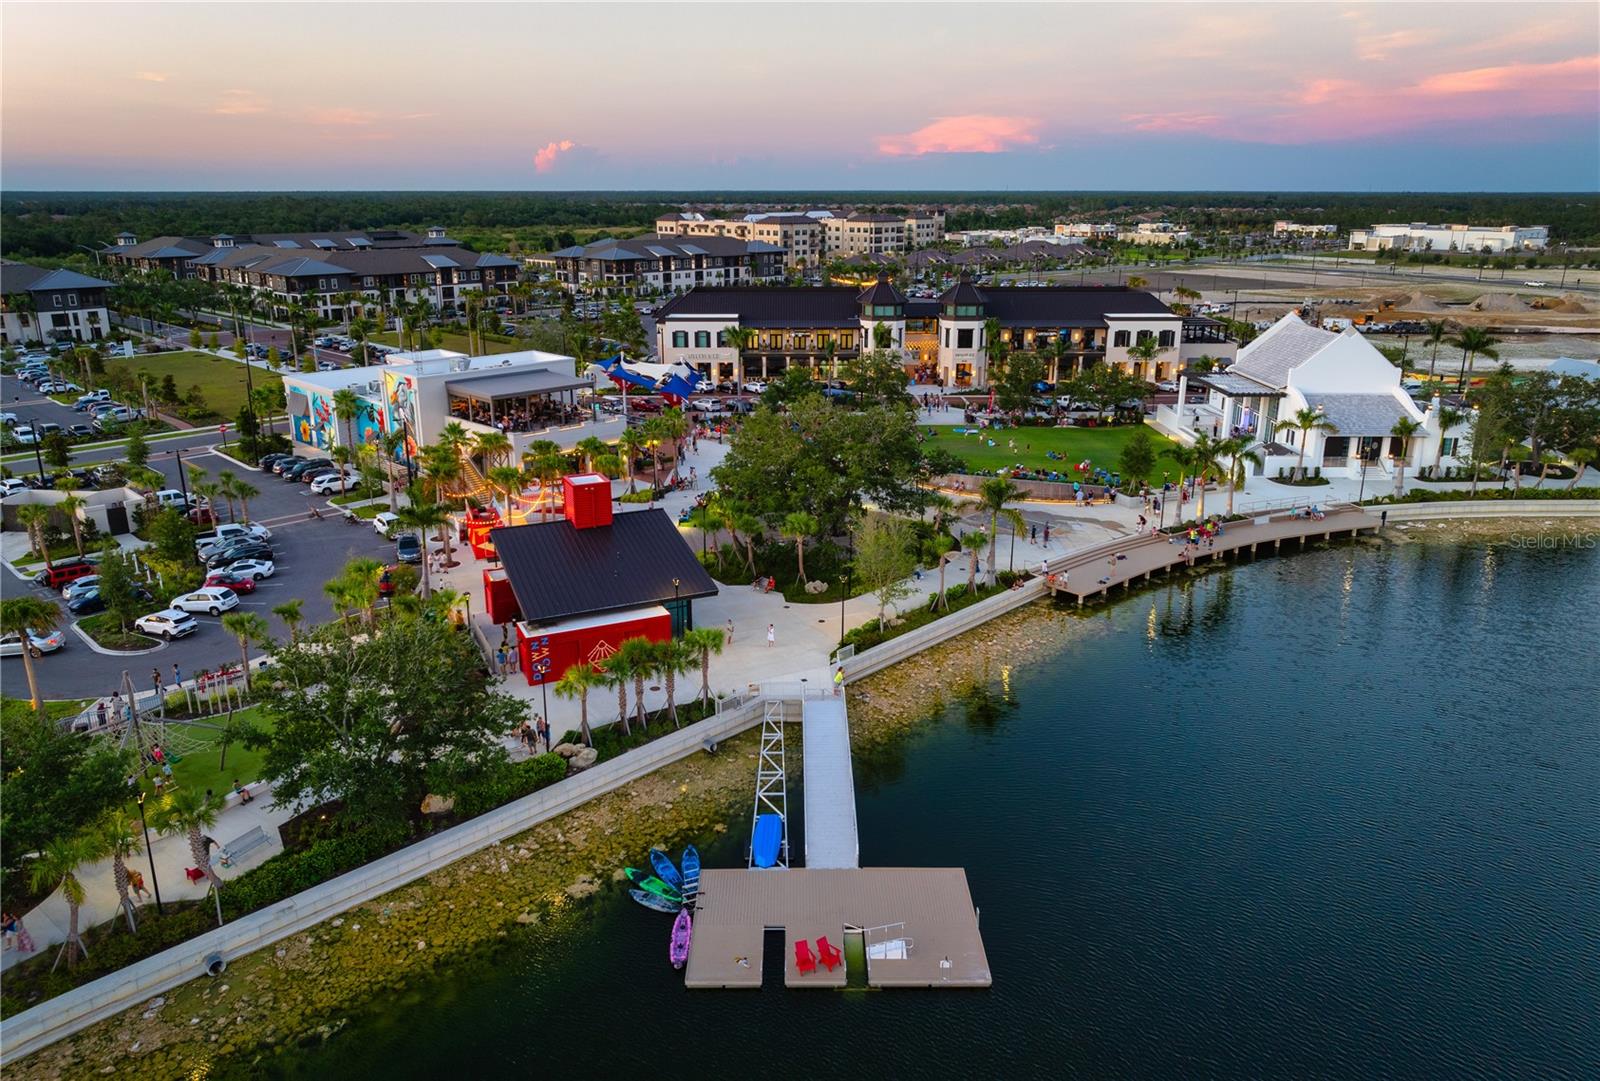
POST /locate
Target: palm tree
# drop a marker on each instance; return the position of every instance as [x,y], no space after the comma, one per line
[291,614]
[1404,431]
[798,526]
[347,407]
[493,447]
[70,506]
[191,810]
[441,468]
[117,836]
[1204,460]
[361,329]
[246,627]
[704,641]
[208,490]
[507,480]
[993,496]
[34,518]
[1580,457]
[671,659]
[422,516]
[56,867]
[591,447]
[1239,450]
[1304,421]
[739,339]
[994,348]
[244,492]
[636,657]
[632,441]
[545,467]
[227,485]
[1448,418]
[22,616]
[1473,342]
[578,681]
[617,674]
[1437,329]
[1515,454]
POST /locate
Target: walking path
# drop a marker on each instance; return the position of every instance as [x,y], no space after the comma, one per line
[830,791]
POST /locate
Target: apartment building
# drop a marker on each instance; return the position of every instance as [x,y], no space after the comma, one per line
[1420,236]
[1084,230]
[812,236]
[42,305]
[664,264]
[943,339]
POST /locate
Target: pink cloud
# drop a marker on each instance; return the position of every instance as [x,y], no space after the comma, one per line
[1577,74]
[240,103]
[341,116]
[971,134]
[1172,121]
[545,159]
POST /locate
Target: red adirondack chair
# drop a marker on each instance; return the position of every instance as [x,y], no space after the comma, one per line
[803,960]
[828,953]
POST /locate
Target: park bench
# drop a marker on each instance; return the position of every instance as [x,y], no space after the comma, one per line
[239,847]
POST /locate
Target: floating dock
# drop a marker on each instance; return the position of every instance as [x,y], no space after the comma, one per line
[919,926]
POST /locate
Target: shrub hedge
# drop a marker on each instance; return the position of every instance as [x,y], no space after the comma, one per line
[1421,495]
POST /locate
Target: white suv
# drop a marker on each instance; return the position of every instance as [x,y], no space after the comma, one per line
[167,623]
[213,600]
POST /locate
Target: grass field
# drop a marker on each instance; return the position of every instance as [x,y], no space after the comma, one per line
[458,342]
[1101,446]
[203,768]
[221,381]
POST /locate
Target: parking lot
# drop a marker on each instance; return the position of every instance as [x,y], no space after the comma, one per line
[307,552]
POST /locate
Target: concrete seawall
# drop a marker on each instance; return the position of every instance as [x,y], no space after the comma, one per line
[1491,508]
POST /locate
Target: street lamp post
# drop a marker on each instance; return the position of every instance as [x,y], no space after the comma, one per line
[155,883]
[1362,490]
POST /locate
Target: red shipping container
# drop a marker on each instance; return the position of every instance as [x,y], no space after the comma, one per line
[498,599]
[545,653]
[588,500]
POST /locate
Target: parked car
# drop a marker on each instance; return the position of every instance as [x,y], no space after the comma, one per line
[269,461]
[213,600]
[239,583]
[87,604]
[80,431]
[704,385]
[8,419]
[38,644]
[61,573]
[25,435]
[229,532]
[11,486]
[297,470]
[326,483]
[384,522]
[109,473]
[407,548]
[254,568]
[167,623]
[327,366]
[316,471]
[228,555]
[58,386]
[75,589]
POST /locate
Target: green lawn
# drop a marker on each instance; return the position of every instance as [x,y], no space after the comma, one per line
[203,768]
[221,381]
[458,342]
[1100,445]
[55,709]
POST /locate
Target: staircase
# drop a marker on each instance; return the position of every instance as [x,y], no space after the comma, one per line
[471,484]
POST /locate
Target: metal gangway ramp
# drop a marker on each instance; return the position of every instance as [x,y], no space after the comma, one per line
[830,791]
[772,795]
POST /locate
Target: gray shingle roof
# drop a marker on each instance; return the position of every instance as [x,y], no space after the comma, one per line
[1360,414]
[1285,345]
[26,278]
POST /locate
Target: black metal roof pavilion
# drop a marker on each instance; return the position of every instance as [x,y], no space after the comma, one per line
[559,572]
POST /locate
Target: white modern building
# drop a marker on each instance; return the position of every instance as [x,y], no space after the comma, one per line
[529,396]
[1154,232]
[1341,378]
[1419,236]
[1086,230]
[1294,228]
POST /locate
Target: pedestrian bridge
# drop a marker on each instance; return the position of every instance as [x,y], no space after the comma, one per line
[830,791]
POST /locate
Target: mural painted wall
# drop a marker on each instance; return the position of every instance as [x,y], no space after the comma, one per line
[322,421]
[400,408]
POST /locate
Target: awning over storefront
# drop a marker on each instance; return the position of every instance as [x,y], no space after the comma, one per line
[495,388]
[1234,386]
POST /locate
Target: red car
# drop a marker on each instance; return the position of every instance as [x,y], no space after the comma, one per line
[239,583]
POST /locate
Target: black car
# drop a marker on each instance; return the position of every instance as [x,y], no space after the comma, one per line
[270,461]
[79,431]
[245,547]
[296,471]
[87,604]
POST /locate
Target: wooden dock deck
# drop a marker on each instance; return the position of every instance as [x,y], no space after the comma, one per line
[929,910]
[1093,574]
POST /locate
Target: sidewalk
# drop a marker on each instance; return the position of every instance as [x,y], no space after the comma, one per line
[47,922]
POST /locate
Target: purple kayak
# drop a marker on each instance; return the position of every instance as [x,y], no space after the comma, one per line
[682,932]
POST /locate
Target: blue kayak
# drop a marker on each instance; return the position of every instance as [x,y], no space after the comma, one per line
[665,869]
[768,838]
[691,873]
[650,900]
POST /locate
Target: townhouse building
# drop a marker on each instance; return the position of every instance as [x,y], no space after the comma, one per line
[663,264]
[41,305]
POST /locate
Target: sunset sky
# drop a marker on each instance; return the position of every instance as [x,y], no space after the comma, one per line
[385,96]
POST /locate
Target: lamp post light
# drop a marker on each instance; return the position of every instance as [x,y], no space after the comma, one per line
[155,883]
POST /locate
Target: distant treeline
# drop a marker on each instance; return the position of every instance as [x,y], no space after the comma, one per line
[55,223]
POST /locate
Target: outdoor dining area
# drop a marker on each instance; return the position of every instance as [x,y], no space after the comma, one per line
[519,401]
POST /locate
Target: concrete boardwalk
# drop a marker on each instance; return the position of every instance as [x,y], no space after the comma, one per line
[1094,573]
[830,791]
[919,926]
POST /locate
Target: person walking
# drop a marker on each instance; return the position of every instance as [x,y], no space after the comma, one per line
[772,635]
[838,681]
[177,676]
[1047,532]
[544,733]
[136,883]
[730,632]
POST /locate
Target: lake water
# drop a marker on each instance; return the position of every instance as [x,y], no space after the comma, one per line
[1327,815]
